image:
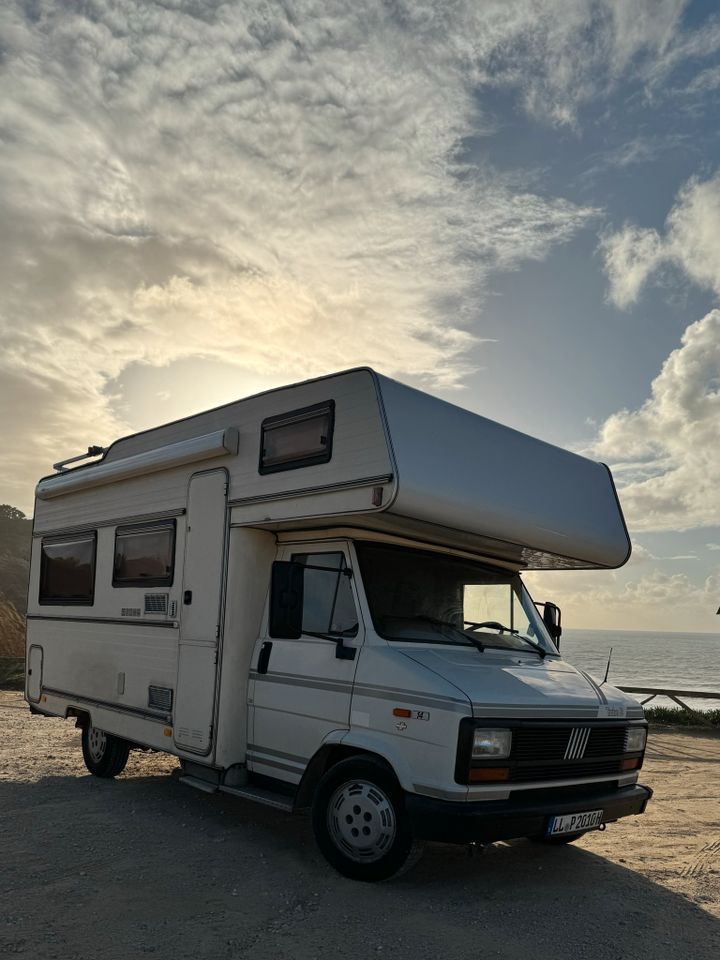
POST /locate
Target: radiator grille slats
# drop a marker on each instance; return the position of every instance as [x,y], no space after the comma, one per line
[541,743]
[566,751]
[565,771]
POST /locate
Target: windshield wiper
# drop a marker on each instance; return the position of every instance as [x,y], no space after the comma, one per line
[541,651]
[433,621]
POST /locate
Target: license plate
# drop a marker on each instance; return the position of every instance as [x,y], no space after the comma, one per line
[574,822]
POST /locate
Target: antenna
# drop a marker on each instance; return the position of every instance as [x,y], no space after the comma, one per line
[607,668]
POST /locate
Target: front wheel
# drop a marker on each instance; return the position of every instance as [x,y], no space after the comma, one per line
[360,822]
[104,754]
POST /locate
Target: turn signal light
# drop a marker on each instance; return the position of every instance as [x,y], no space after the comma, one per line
[401,712]
[631,763]
[489,773]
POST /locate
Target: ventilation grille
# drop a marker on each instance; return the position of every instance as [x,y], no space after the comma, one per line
[130,612]
[160,698]
[196,737]
[156,603]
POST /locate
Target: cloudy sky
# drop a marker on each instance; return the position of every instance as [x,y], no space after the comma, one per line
[514,204]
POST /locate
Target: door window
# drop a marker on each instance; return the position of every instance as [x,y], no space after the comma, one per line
[328,603]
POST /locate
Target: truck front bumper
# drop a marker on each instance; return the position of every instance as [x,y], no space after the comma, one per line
[486,821]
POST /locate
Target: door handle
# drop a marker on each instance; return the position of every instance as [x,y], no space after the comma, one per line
[264,658]
[187,598]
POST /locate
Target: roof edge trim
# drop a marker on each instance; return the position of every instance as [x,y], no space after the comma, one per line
[217,444]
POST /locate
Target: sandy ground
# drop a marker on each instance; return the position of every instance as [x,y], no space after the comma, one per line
[144,866]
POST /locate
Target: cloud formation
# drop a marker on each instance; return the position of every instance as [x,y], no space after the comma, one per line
[666,454]
[279,188]
[647,599]
[691,243]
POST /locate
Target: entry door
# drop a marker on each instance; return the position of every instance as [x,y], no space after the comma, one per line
[200,621]
[305,693]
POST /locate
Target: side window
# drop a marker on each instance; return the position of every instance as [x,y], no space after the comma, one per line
[297,439]
[144,555]
[328,604]
[67,569]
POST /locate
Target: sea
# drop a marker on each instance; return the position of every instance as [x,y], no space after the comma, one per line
[676,661]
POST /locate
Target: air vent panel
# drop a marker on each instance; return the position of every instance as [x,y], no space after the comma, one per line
[130,612]
[160,698]
[156,603]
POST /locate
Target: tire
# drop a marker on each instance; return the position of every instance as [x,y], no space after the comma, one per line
[360,823]
[104,754]
[558,841]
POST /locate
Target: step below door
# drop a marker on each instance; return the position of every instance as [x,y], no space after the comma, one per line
[201,598]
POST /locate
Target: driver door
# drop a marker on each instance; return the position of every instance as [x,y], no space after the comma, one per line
[300,690]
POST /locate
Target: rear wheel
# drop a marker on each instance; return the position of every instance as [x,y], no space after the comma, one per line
[360,823]
[104,754]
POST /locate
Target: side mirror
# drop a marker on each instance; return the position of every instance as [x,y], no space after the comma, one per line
[286,600]
[552,618]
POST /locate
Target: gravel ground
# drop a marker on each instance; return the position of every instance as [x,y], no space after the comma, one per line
[144,866]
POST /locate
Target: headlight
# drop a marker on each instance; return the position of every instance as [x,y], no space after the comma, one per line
[491,744]
[635,739]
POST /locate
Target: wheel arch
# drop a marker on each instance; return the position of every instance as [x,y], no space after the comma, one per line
[82,717]
[333,750]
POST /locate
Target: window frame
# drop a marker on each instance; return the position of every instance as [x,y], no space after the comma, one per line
[285,419]
[341,571]
[45,599]
[146,527]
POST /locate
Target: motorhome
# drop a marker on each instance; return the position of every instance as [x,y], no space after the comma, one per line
[313,598]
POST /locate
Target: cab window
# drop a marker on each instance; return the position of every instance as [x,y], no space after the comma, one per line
[328,603]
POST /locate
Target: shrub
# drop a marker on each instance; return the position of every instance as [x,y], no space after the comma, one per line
[676,716]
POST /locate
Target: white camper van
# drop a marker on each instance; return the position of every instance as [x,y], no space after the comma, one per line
[313,598]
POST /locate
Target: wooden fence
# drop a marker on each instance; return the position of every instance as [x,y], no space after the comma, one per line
[674,695]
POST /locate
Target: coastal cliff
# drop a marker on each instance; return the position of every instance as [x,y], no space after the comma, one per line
[15,541]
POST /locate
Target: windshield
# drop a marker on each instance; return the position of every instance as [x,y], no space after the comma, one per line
[435,598]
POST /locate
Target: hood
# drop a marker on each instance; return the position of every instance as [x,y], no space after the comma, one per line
[515,685]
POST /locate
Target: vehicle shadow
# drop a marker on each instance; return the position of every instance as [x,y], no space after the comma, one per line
[697,747]
[145,865]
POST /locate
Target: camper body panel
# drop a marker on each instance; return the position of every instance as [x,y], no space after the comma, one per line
[360,455]
[416,744]
[463,472]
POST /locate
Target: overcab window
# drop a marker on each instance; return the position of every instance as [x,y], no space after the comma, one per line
[297,439]
[144,555]
[67,569]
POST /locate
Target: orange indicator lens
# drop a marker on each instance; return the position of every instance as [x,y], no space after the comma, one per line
[489,773]
[630,763]
[402,712]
